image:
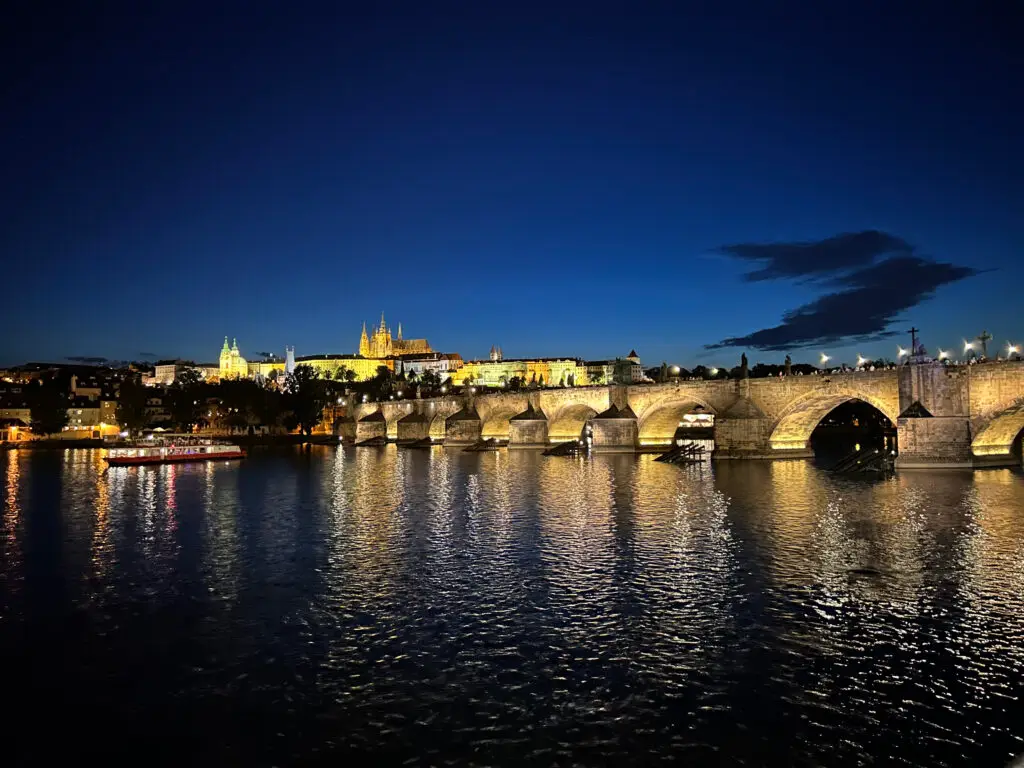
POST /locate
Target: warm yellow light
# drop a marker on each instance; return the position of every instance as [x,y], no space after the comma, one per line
[1012,349]
[714,371]
[943,354]
[901,352]
[968,346]
[824,358]
[862,361]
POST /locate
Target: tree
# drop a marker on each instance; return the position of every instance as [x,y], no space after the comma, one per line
[597,378]
[383,383]
[307,397]
[341,374]
[49,407]
[540,380]
[663,372]
[186,403]
[328,375]
[515,384]
[470,378]
[131,405]
[350,375]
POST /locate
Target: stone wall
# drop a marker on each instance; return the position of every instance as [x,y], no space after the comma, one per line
[370,428]
[415,426]
[942,440]
[614,435]
[528,433]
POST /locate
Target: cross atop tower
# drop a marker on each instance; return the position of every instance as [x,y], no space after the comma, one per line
[913,340]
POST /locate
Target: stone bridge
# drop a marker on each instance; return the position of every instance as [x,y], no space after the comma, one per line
[946,416]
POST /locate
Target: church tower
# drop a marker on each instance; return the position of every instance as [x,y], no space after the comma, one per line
[225,359]
[364,343]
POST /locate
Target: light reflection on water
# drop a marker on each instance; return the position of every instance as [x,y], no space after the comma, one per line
[508,608]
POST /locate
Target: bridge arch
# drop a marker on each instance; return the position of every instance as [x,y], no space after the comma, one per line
[660,420]
[793,429]
[494,422]
[568,422]
[997,436]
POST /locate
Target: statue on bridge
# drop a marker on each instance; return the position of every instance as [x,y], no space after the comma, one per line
[789,365]
[744,370]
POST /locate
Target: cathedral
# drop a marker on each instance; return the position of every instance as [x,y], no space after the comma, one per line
[380,343]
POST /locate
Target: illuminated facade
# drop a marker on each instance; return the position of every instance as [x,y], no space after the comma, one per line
[440,363]
[548,371]
[364,368]
[380,344]
[232,364]
[621,370]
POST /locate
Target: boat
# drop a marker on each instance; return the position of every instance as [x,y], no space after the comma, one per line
[172,453]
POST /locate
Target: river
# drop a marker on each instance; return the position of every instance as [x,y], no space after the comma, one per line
[437,607]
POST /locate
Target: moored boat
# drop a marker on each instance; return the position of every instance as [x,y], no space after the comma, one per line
[175,453]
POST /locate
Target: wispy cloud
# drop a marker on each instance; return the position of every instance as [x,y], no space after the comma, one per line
[870,293]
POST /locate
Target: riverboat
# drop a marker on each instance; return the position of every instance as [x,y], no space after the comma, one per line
[173,453]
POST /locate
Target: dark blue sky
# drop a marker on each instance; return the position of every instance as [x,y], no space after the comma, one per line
[555,181]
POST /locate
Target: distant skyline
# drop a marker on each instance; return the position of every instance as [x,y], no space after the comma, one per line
[693,183]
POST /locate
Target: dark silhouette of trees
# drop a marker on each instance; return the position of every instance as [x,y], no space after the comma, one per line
[49,407]
[131,405]
[186,399]
[307,396]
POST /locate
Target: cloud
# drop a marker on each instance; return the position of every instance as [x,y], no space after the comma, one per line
[864,306]
[146,354]
[87,360]
[813,259]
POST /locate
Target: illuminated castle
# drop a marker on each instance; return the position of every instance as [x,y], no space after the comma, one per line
[380,344]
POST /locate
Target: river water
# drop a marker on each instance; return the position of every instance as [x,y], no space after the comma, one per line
[439,607]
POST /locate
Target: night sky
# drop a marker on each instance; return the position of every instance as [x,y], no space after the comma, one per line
[693,180]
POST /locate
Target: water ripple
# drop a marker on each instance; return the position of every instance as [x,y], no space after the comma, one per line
[437,607]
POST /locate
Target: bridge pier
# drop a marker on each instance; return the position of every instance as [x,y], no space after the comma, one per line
[371,426]
[415,426]
[464,427]
[616,430]
[345,428]
[528,429]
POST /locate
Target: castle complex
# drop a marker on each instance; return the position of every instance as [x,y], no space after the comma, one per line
[380,349]
[381,345]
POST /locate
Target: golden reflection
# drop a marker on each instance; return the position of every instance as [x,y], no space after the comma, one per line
[12,505]
[222,557]
[685,549]
[832,544]
[366,504]
[101,548]
[994,551]
[578,546]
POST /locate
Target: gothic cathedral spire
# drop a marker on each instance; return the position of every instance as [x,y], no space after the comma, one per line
[364,343]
